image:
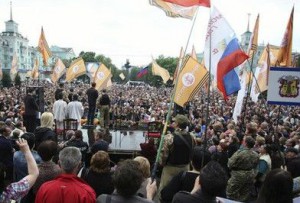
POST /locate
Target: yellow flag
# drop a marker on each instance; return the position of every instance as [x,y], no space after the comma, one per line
[14,67]
[273,52]
[44,48]
[157,70]
[122,76]
[58,70]
[262,78]
[35,69]
[102,75]
[284,57]
[192,77]
[76,69]
[252,48]
[107,84]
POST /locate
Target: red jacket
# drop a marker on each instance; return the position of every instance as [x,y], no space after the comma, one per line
[66,188]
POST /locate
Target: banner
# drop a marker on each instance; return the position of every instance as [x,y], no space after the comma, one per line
[102,76]
[14,67]
[44,48]
[223,53]
[58,70]
[122,76]
[91,68]
[191,78]
[284,57]
[284,86]
[35,70]
[76,69]
[162,72]
[174,10]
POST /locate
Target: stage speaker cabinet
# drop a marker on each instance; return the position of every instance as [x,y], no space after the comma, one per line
[39,96]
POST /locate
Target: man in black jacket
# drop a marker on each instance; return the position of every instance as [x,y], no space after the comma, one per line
[213,183]
[92,94]
[176,152]
[31,110]
[104,105]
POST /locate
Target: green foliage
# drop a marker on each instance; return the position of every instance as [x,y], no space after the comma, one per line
[6,80]
[67,62]
[169,63]
[18,81]
[298,62]
[88,56]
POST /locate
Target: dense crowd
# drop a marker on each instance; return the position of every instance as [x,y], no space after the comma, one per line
[204,157]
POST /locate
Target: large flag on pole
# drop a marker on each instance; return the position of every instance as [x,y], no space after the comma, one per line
[191,78]
[102,76]
[157,70]
[58,70]
[284,57]
[174,10]
[252,48]
[14,67]
[246,76]
[267,59]
[240,98]
[35,70]
[223,49]
[142,72]
[44,48]
[76,69]
[188,3]
[255,91]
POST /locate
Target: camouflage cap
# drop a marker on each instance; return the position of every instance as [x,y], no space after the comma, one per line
[182,120]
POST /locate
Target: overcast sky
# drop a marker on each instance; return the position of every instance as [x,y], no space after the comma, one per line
[134,29]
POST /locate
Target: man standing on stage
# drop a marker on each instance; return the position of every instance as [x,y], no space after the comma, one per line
[31,110]
[92,94]
[104,105]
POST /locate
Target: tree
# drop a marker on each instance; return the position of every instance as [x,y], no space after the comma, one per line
[298,62]
[168,63]
[88,56]
[6,80]
[18,81]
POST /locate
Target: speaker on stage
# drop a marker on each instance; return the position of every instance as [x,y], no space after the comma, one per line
[39,96]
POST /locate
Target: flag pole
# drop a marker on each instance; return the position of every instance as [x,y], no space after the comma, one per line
[208,93]
[153,172]
[248,87]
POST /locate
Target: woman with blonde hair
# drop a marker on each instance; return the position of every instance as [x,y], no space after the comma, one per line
[144,167]
[45,131]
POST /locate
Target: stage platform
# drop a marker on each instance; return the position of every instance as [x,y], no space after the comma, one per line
[123,141]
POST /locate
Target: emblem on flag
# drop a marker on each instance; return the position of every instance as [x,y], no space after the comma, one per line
[100,75]
[289,86]
[188,79]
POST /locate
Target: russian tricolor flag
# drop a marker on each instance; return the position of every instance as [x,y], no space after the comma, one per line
[142,72]
[223,53]
[227,78]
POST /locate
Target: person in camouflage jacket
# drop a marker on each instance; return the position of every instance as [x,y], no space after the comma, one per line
[243,165]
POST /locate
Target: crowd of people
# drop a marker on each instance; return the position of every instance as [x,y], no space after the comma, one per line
[205,155]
